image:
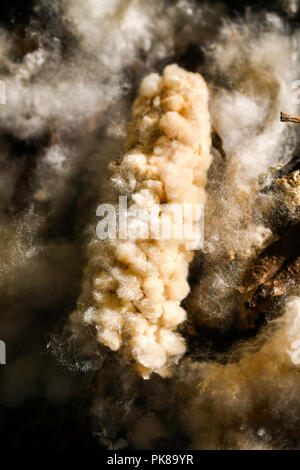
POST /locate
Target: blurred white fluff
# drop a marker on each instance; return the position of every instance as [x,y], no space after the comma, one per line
[260,383]
[257,66]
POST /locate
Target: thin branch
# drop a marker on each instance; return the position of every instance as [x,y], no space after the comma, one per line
[217,142]
[289,118]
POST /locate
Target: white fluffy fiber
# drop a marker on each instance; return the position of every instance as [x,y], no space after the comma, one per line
[83,95]
[258,66]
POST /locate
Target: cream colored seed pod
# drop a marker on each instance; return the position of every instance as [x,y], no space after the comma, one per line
[167,157]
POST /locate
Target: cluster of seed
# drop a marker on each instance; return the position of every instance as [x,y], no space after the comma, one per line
[137,285]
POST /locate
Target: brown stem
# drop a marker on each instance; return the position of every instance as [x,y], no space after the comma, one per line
[217,142]
[289,118]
